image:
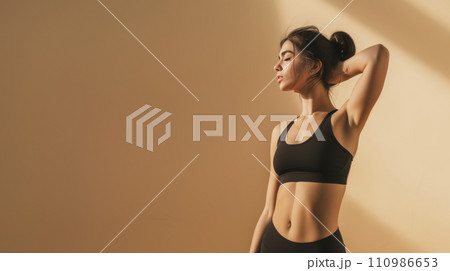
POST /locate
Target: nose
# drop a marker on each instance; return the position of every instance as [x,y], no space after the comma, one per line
[277,67]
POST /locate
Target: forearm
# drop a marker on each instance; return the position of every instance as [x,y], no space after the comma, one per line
[357,63]
[263,221]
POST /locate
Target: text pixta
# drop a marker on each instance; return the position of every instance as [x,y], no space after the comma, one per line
[319,263]
[197,121]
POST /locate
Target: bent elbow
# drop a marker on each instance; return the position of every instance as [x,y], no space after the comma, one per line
[382,51]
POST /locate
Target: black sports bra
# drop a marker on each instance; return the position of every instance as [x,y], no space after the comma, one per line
[321,158]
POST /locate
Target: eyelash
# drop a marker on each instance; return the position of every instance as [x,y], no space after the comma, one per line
[287,59]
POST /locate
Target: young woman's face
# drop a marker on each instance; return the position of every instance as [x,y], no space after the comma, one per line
[291,75]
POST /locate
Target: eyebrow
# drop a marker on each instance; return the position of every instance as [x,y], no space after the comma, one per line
[287,51]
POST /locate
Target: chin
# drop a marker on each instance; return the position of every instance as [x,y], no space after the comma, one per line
[284,88]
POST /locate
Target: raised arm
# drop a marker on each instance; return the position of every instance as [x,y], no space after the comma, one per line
[372,62]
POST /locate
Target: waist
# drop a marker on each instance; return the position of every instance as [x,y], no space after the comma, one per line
[303,227]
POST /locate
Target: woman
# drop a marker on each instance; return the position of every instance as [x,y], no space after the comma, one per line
[311,159]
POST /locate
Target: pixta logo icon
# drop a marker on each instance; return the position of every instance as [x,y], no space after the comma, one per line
[141,121]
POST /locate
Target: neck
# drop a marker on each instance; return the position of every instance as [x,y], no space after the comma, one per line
[315,99]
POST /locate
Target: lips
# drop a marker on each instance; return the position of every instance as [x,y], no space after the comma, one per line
[279,78]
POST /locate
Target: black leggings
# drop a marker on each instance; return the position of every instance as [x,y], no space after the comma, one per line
[273,241]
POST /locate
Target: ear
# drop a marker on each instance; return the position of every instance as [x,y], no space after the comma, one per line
[315,67]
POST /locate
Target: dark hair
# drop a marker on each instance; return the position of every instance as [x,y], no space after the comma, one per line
[339,47]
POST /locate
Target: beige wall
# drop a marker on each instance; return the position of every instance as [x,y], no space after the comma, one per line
[71,73]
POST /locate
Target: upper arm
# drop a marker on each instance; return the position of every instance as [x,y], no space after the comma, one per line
[274,184]
[367,89]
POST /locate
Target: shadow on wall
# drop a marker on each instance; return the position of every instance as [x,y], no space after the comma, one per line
[369,235]
[402,23]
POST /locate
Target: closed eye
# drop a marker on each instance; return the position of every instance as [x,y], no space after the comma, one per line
[287,59]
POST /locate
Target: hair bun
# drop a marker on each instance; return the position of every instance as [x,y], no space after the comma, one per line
[345,47]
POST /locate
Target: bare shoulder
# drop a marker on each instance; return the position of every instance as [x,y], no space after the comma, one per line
[277,130]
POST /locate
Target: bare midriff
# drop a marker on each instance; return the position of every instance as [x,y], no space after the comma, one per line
[297,200]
